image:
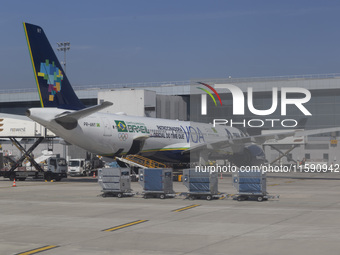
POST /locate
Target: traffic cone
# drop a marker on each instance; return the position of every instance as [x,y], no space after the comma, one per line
[14,185]
[221,176]
[94,175]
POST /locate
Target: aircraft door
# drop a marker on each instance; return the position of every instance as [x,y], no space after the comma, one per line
[107,127]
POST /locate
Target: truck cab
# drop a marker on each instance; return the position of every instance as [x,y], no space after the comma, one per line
[57,165]
[77,167]
[57,168]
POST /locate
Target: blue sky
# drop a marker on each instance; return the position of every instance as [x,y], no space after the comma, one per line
[154,40]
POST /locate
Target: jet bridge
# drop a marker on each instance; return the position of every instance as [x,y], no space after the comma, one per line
[15,128]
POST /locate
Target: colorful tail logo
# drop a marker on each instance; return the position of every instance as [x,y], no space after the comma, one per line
[204,98]
[53,77]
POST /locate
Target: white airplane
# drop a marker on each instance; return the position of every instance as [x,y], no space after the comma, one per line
[114,134]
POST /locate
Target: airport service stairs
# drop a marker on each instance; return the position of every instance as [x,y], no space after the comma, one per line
[140,161]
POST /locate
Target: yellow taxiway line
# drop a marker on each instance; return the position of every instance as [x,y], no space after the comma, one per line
[185,208]
[124,225]
[41,249]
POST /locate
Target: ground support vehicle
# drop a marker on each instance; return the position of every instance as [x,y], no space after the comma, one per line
[77,167]
[56,169]
[201,185]
[156,182]
[251,185]
[115,181]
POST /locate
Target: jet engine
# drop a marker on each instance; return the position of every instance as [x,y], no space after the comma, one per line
[251,155]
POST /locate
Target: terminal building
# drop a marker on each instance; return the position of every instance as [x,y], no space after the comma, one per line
[182,100]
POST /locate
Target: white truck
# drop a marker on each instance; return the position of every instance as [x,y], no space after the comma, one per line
[55,169]
[77,167]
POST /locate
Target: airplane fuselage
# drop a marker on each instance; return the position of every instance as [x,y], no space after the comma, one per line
[114,134]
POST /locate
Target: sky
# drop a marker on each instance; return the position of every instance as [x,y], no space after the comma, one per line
[132,41]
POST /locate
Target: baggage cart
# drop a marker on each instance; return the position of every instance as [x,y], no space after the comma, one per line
[156,182]
[115,181]
[202,185]
[250,185]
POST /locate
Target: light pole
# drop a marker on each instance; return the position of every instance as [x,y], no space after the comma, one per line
[64,46]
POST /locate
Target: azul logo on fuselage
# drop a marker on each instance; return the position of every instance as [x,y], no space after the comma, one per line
[193,134]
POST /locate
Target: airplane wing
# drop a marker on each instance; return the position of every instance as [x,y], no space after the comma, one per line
[317,131]
[236,144]
[69,119]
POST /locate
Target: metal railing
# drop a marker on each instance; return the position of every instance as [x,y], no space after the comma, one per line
[107,86]
[269,78]
[186,82]
[144,161]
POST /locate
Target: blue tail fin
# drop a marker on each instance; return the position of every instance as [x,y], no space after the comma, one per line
[53,86]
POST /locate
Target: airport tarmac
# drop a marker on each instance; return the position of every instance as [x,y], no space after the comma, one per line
[70,217]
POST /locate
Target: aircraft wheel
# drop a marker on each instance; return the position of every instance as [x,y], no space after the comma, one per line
[48,177]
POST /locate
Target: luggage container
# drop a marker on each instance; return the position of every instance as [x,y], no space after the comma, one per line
[201,184]
[250,185]
[115,181]
[156,182]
